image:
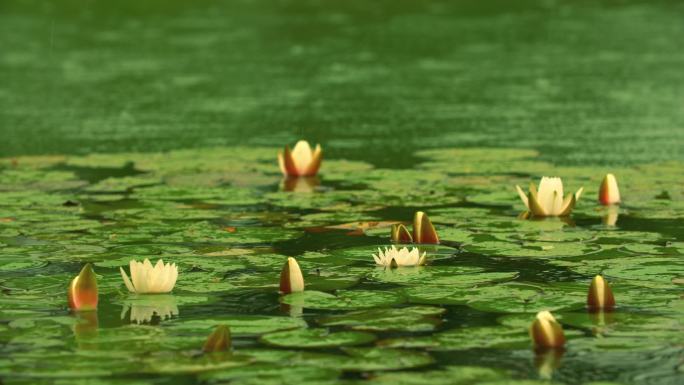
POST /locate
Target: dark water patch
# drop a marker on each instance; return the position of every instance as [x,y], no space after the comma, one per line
[97,174]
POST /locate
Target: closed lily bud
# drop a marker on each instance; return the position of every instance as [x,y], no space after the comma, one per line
[609,193]
[301,160]
[546,332]
[219,340]
[423,230]
[600,296]
[400,234]
[82,291]
[291,278]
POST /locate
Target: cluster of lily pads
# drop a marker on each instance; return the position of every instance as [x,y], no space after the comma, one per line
[220,216]
[301,162]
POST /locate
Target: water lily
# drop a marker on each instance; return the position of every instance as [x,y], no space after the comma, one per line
[423,231]
[400,234]
[291,278]
[600,296]
[300,161]
[609,193]
[546,332]
[82,293]
[148,279]
[219,340]
[548,200]
[394,257]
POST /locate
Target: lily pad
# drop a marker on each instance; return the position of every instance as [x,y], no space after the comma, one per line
[450,375]
[518,297]
[316,338]
[408,319]
[343,299]
[251,325]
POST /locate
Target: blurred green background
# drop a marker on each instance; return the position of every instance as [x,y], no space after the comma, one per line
[584,82]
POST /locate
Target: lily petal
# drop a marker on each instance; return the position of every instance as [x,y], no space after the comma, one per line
[550,194]
[289,163]
[423,230]
[600,296]
[82,293]
[281,163]
[546,332]
[127,281]
[423,259]
[302,155]
[523,196]
[315,163]
[568,205]
[535,207]
[609,193]
[400,234]
[291,278]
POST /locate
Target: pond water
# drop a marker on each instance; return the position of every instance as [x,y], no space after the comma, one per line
[150,130]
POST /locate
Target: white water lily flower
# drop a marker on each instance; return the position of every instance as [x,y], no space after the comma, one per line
[548,201]
[394,257]
[147,279]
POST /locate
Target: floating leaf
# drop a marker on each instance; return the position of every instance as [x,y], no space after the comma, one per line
[409,319]
[316,338]
[343,299]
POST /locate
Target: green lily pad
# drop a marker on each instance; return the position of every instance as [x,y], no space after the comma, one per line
[316,338]
[452,276]
[524,298]
[466,338]
[343,299]
[268,374]
[450,375]
[652,272]
[250,325]
[372,359]
[409,319]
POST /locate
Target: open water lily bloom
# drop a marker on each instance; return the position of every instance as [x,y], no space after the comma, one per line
[145,278]
[301,160]
[394,257]
[548,201]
